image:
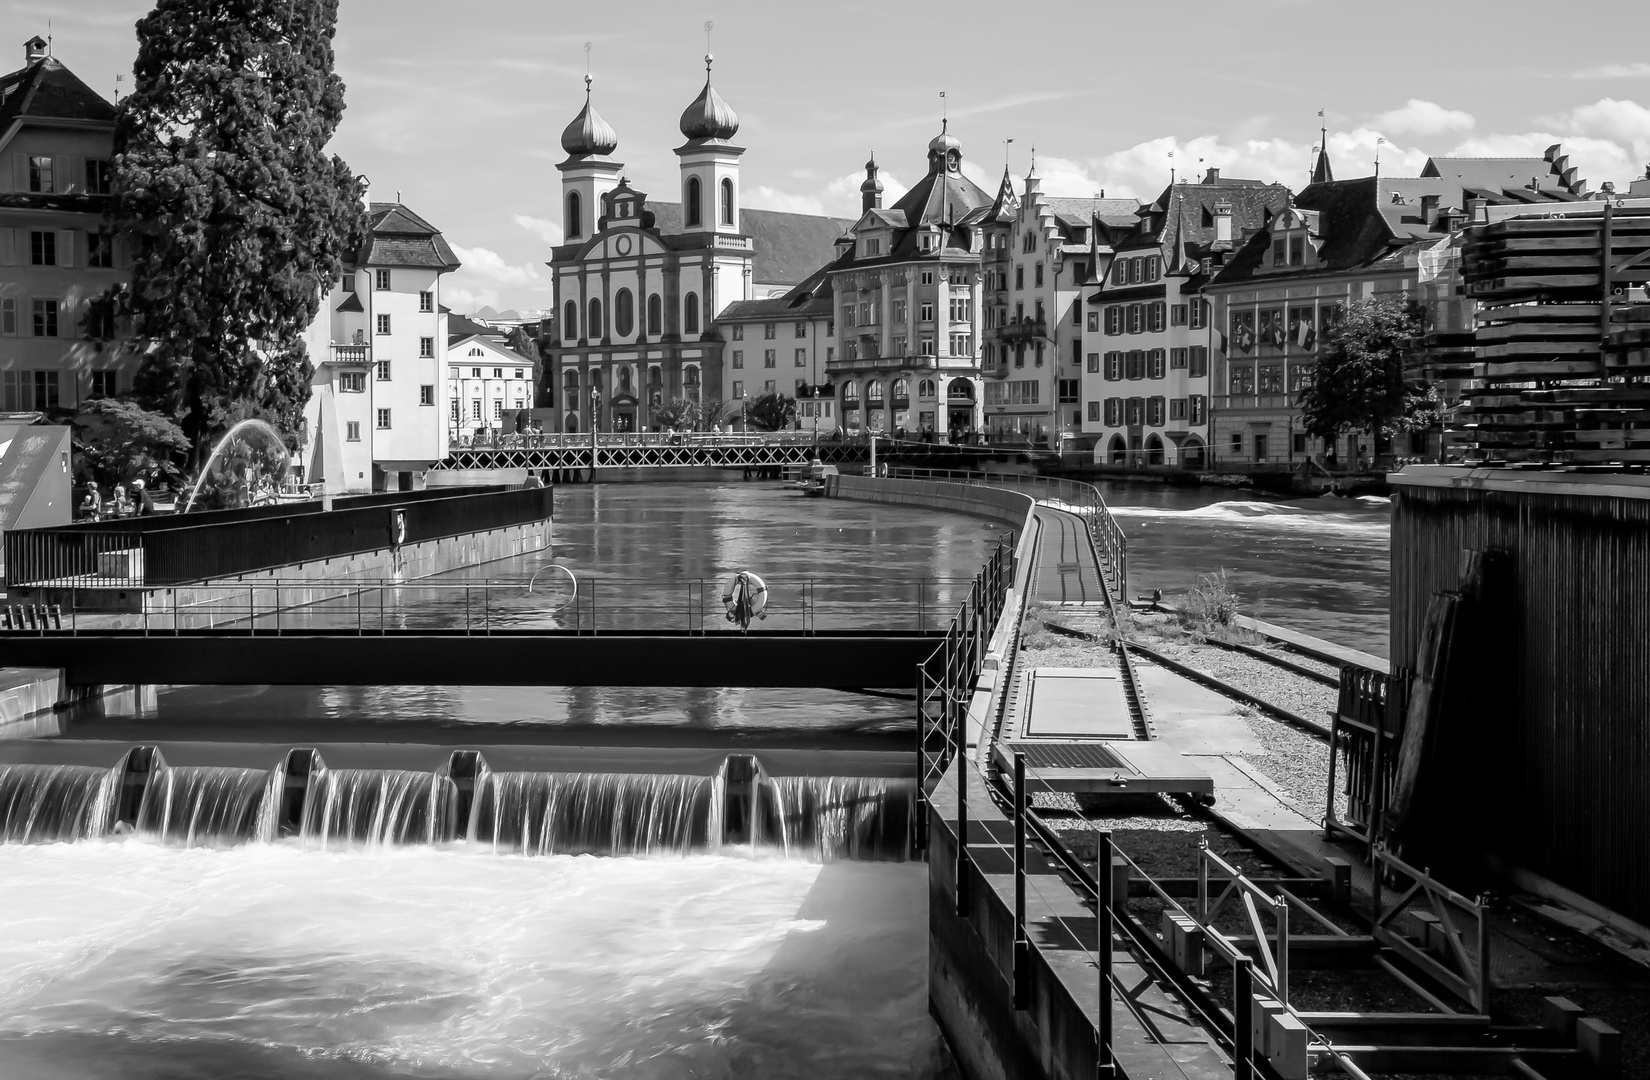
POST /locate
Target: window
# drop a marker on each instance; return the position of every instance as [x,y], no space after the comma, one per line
[768,358]
[426,346]
[925,313]
[383,419]
[1094,322]
[1300,444]
[100,176]
[1154,412]
[1094,412]
[1013,392]
[872,245]
[738,388]
[1177,359]
[925,388]
[770,331]
[1271,378]
[1019,277]
[40,173]
[927,277]
[1199,362]
[1037,277]
[1134,411]
[521,373]
[593,325]
[383,371]
[1069,390]
[738,332]
[1135,364]
[1114,366]
[1300,375]
[1280,251]
[1151,268]
[426,394]
[1154,364]
[352,431]
[1156,313]
[426,302]
[475,372]
[1177,408]
[1114,320]
[498,373]
[498,410]
[624,313]
[738,359]
[381,280]
[800,330]
[1114,412]
[1271,327]
[1297,249]
[383,324]
[655,314]
[727,201]
[695,216]
[100,250]
[1093,367]
[348,283]
[45,318]
[8,316]
[1241,379]
[899,311]
[570,320]
[352,382]
[1196,408]
[43,247]
[962,309]
[1177,315]
[768,386]
[1237,442]
[899,346]
[575,215]
[103,384]
[963,345]
[475,410]
[690,313]
[1137,318]
[925,345]
[802,358]
[1199,314]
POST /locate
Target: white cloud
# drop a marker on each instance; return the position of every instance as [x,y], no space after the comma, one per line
[763,197]
[841,196]
[490,265]
[1626,123]
[465,300]
[1636,70]
[1424,118]
[1062,178]
[543,228]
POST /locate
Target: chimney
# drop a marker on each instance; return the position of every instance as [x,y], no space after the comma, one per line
[1429,208]
[34,49]
[1212,176]
[1223,221]
[1478,211]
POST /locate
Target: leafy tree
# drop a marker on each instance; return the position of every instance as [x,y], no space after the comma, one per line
[117,440]
[713,411]
[771,412]
[677,414]
[239,218]
[1359,381]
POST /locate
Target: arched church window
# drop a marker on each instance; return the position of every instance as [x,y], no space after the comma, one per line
[593,326]
[624,380]
[691,198]
[570,321]
[575,224]
[690,313]
[624,313]
[727,202]
[655,314]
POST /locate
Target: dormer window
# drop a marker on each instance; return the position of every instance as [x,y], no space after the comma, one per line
[925,242]
[1297,249]
[871,245]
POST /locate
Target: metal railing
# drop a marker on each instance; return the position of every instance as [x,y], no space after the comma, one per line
[595,605]
[1079,498]
[1364,735]
[574,440]
[1457,959]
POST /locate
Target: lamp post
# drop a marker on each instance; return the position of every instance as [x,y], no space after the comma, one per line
[595,408]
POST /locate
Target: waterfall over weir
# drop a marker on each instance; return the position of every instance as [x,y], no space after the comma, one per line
[523,813]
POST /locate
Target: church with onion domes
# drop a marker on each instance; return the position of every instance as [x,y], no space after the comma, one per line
[639,284]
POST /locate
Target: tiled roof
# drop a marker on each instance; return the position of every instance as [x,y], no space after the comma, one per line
[398,237]
[942,196]
[1496,174]
[811,296]
[46,90]
[1184,214]
[789,246]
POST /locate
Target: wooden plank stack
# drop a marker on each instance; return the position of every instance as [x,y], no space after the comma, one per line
[1552,383]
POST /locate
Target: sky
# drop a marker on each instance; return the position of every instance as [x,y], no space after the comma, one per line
[460,107]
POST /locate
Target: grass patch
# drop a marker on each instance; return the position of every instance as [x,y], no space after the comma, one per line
[1210,610]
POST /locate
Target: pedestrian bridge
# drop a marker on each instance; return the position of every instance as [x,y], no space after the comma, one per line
[685,450]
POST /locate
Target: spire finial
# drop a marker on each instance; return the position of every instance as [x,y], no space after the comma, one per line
[709,26]
[945,119]
[587,79]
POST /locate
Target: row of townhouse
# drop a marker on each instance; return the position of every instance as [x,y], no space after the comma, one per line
[378,346]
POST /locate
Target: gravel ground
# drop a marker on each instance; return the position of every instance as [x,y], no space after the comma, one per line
[1294,760]
[1302,660]
[1300,695]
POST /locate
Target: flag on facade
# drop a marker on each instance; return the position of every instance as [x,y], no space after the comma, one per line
[1305,336]
[1244,338]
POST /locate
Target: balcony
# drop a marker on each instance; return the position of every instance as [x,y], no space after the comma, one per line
[907,362]
[351,354]
[1019,331]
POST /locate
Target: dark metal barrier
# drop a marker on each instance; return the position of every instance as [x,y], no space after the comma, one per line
[172,549]
[1363,738]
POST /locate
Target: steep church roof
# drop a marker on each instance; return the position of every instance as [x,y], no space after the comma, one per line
[398,237]
[46,90]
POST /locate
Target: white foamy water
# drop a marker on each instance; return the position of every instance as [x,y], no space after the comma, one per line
[1364,520]
[129,959]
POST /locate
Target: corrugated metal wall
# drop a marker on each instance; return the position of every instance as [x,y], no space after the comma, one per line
[1562,757]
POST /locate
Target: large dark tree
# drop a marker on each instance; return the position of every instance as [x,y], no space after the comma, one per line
[1360,383]
[771,412]
[239,216]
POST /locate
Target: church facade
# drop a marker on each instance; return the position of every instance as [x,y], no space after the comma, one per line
[639,285]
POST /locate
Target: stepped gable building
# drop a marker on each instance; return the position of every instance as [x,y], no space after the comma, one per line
[379,410]
[905,287]
[1041,252]
[1147,330]
[56,253]
[638,285]
[1344,241]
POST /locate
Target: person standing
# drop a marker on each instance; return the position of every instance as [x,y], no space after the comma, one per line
[142,504]
[91,506]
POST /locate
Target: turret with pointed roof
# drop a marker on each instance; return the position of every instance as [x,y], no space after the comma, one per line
[589,173]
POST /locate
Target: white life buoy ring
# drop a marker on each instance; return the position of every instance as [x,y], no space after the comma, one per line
[745,598]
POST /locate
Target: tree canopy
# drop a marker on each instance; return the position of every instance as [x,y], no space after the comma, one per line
[1359,381]
[770,412]
[117,440]
[238,217]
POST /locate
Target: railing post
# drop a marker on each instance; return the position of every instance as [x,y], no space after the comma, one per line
[1103,878]
[1243,1022]
[1281,907]
[1022,947]
[960,758]
[919,814]
[1202,881]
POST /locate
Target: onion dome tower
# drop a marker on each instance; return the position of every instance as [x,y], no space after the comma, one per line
[709,162]
[589,172]
[870,192]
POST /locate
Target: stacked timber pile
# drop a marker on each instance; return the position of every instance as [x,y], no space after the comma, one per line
[1560,355]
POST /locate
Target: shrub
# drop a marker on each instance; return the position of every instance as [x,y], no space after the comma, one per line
[1210,607]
